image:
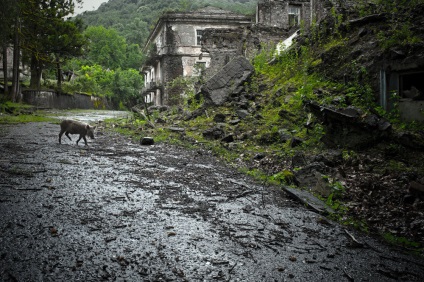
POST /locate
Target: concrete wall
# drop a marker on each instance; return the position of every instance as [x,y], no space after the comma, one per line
[275,13]
[223,45]
[51,99]
[9,63]
[22,69]
[411,110]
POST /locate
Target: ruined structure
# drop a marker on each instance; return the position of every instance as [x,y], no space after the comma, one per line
[292,13]
[401,81]
[204,41]
[182,44]
[174,49]
[276,20]
[395,74]
[23,69]
[284,14]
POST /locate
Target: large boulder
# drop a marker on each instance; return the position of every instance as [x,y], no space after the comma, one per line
[228,81]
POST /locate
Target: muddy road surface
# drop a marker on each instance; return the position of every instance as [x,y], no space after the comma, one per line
[119,211]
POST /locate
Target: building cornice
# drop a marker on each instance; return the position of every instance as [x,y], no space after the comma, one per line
[196,18]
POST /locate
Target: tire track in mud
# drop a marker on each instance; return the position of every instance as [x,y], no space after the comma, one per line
[118,211]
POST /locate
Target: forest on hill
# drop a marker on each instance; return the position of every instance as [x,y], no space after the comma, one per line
[133,19]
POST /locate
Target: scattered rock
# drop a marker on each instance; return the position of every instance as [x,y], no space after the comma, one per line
[147,141]
[284,135]
[294,142]
[176,129]
[242,114]
[259,156]
[292,258]
[214,133]
[298,160]
[192,115]
[228,139]
[219,118]
[158,108]
[160,120]
[417,189]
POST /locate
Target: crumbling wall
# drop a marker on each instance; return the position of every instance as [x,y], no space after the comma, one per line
[174,68]
[272,13]
[261,36]
[55,100]
[275,13]
[223,45]
[229,81]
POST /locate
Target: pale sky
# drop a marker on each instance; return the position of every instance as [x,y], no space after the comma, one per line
[88,5]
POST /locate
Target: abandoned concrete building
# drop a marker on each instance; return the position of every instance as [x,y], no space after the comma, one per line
[174,49]
[402,82]
[283,14]
[9,55]
[187,44]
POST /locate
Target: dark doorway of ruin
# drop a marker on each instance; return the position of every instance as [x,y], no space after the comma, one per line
[411,84]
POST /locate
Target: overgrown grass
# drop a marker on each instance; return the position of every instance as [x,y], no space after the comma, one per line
[21,113]
[7,119]
[415,247]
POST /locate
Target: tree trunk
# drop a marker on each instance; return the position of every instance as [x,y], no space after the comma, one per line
[16,60]
[5,70]
[59,73]
[36,70]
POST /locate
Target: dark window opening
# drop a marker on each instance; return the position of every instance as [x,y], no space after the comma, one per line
[294,15]
[412,85]
[199,34]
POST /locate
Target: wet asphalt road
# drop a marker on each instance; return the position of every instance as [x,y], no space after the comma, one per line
[119,211]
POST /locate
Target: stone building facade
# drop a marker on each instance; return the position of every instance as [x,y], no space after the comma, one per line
[283,14]
[174,49]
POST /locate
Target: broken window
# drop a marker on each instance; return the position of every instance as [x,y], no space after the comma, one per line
[199,68]
[294,15]
[199,34]
[412,85]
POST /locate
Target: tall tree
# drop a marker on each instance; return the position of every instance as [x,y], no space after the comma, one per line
[106,48]
[8,14]
[16,59]
[42,23]
[67,42]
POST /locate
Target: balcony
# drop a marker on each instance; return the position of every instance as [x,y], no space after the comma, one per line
[150,87]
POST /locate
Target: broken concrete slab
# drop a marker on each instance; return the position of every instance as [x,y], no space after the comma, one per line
[228,81]
[309,200]
[350,127]
[176,129]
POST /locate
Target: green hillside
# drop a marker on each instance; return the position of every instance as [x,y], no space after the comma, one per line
[133,19]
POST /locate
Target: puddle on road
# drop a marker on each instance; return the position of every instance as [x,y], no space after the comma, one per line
[89,116]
